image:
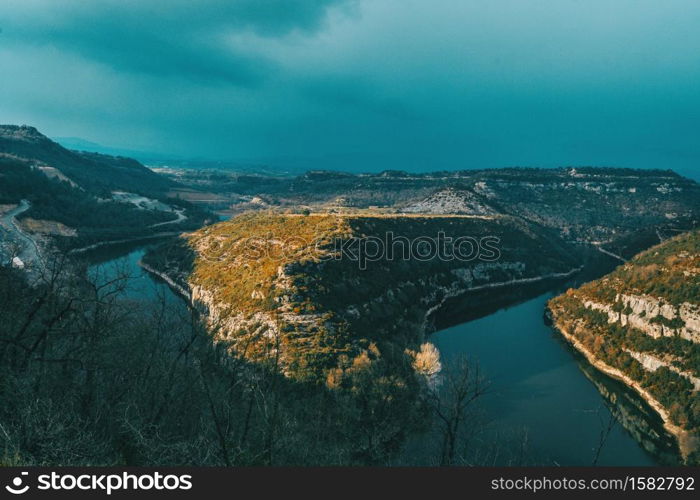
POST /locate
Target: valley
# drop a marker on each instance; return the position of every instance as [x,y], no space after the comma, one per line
[323,293]
[543,372]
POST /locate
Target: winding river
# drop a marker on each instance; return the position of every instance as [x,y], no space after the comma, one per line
[541,389]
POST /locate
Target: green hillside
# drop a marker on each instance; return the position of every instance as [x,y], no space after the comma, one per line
[96,173]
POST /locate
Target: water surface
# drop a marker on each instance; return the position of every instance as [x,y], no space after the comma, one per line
[539,389]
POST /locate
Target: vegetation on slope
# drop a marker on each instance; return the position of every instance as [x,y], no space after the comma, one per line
[280,285]
[96,173]
[76,190]
[669,270]
[94,220]
[667,277]
[91,377]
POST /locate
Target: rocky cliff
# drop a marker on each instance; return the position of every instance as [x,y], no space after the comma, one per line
[314,292]
[641,324]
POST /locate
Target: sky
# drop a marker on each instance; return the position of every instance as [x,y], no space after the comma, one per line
[363,85]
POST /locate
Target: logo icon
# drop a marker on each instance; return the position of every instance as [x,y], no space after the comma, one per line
[16,488]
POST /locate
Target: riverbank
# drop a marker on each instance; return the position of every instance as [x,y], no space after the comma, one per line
[175,287]
[687,441]
[460,305]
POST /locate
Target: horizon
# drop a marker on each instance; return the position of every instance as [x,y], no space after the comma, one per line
[231,164]
[152,160]
[358,86]
[400,234]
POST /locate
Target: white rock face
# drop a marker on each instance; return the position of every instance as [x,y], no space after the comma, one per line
[643,308]
[665,188]
[450,201]
[262,328]
[484,190]
[651,363]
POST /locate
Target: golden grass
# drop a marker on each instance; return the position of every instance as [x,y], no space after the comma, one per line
[240,258]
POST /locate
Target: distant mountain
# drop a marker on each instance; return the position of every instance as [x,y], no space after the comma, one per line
[78,144]
[83,145]
[91,171]
[259,166]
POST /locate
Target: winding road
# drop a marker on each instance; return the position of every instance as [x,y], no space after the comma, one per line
[29,251]
[180,217]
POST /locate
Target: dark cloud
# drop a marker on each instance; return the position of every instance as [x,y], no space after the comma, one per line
[363,84]
[177,55]
[182,39]
[351,94]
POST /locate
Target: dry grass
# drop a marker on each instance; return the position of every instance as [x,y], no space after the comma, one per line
[240,258]
[48,227]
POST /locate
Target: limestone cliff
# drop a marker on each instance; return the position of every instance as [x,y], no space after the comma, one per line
[641,324]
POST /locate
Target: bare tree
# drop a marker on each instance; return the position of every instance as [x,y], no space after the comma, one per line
[606,427]
[461,384]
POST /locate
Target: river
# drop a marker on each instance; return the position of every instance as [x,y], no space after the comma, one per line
[541,389]
[114,261]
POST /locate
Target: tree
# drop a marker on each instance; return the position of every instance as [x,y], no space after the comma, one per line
[606,427]
[461,385]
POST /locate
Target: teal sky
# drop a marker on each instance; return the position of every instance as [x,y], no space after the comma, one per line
[363,85]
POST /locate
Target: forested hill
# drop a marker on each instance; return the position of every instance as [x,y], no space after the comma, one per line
[641,323]
[76,199]
[93,172]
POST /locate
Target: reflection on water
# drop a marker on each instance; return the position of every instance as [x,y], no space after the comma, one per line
[643,423]
[112,263]
[538,384]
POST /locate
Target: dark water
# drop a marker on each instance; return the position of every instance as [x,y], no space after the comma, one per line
[118,261]
[540,388]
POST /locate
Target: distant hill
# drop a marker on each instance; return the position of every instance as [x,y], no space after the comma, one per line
[78,144]
[93,172]
[80,199]
[621,210]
